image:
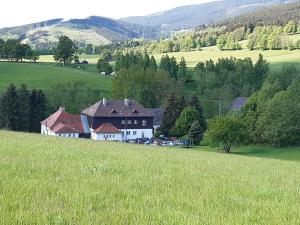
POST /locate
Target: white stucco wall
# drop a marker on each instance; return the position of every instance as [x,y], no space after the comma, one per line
[46,131]
[106,137]
[137,133]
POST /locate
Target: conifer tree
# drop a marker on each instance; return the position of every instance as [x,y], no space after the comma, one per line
[183,70]
[196,103]
[182,103]
[196,133]
[10,109]
[38,108]
[261,68]
[24,108]
[153,64]
[171,114]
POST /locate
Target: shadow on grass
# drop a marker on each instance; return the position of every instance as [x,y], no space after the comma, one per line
[292,153]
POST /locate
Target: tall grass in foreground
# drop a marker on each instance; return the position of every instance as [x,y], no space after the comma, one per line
[46,180]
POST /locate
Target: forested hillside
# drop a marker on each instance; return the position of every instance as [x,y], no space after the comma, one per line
[273,15]
[92,30]
[187,17]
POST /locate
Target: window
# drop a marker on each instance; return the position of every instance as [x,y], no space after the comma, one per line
[129,122]
[60,135]
[134,132]
[73,135]
[128,132]
[144,123]
[123,134]
[123,121]
[136,122]
[69,135]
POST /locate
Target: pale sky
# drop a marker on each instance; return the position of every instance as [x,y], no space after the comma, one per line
[20,12]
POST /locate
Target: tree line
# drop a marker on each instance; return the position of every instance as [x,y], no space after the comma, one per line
[21,109]
[14,50]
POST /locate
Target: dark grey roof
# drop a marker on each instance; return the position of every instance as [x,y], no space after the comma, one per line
[117,108]
[238,103]
[158,116]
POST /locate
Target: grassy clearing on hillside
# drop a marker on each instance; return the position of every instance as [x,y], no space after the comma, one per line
[92,59]
[42,76]
[48,180]
[274,57]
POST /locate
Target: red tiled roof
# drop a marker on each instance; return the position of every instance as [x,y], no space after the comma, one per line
[107,128]
[64,129]
[61,120]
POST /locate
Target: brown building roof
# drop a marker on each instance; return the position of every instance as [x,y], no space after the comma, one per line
[117,108]
[63,122]
[238,103]
[107,128]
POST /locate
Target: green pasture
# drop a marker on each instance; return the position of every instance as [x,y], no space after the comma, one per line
[44,75]
[47,180]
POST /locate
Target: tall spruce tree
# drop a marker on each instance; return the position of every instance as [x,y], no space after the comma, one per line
[182,103]
[38,107]
[183,70]
[196,133]
[196,103]
[153,64]
[24,108]
[261,68]
[172,112]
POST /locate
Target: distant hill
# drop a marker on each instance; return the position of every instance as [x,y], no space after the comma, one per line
[93,30]
[273,15]
[187,17]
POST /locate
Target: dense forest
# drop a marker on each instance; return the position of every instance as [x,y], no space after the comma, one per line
[273,15]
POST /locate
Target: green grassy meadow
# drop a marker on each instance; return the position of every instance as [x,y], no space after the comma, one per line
[276,58]
[47,180]
[44,75]
[92,59]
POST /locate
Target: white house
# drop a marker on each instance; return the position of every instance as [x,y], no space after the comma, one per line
[129,117]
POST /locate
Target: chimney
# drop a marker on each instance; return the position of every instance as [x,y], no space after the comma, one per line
[104,101]
[126,101]
[62,108]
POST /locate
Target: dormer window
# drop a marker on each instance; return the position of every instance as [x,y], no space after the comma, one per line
[114,111]
[134,111]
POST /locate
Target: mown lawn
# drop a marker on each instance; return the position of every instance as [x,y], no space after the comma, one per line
[48,180]
[43,75]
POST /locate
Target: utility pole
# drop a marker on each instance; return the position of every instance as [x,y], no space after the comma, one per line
[220,107]
[59,70]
